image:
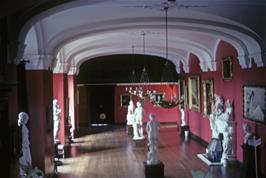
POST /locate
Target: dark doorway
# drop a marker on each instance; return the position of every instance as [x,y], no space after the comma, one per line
[102,104]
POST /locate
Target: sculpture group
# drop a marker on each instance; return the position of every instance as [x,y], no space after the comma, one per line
[223,132]
[135,118]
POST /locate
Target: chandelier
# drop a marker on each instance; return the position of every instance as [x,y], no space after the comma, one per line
[140,92]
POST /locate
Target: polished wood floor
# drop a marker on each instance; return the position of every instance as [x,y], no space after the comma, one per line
[111,153]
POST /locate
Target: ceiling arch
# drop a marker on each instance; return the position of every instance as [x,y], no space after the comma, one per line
[80,30]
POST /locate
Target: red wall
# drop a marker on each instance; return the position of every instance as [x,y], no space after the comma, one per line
[162,115]
[199,125]
[39,88]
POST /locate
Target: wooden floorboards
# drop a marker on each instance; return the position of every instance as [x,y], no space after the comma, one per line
[111,153]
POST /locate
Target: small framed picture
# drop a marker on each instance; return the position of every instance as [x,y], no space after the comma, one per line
[124,100]
[254,102]
[227,68]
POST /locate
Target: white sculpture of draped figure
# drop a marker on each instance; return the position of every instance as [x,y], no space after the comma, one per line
[152,130]
[25,161]
[137,125]
[223,123]
[56,118]
[130,113]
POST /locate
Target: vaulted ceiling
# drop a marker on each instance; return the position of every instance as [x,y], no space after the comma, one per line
[63,37]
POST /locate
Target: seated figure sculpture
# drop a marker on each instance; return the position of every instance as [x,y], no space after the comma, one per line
[152,130]
[130,113]
[25,161]
[56,118]
[137,125]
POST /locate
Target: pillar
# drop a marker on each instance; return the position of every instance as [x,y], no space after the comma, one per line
[72,102]
[60,92]
[39,95]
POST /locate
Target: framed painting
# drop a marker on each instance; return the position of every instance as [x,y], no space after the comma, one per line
[182,91]
[254,102]
[207,86]
[227,68]
[194,93]
[124,100]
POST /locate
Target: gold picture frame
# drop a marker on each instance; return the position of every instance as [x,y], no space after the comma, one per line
[124,100]
[208,95]
[227,68]
[194,92]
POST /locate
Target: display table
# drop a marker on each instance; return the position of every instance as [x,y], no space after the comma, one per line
[154,171]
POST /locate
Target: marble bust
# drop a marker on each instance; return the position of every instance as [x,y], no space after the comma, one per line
[56,118]
[137,125]
[247,132]
[25,161]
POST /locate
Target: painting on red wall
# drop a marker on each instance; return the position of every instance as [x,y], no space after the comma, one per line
[254,102]
[194,93]
[208,95]
[124,100]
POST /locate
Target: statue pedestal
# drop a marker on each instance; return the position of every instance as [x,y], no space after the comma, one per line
[129,129]
[140,143]
[152,171]
[183,129]
[249,160]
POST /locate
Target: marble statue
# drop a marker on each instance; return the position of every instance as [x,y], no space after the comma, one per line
[56,118]
[152,130]
[247,132]
[137,125]
[130,113]
[25,160]
[222,122]
[183,120]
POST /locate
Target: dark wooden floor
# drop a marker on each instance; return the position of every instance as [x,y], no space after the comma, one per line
[113,154]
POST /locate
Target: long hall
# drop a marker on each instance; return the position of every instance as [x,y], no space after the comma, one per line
[110,152]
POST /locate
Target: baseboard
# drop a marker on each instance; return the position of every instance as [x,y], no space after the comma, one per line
[198,139]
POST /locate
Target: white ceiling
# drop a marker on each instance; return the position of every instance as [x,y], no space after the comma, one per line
[67,35]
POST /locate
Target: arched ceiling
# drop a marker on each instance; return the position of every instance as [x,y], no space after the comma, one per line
[63,37]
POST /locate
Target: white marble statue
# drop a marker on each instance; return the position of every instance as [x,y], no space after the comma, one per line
[183,120]
[137,125]
[152,130]
[25,160]
[56,118]
[130,113]
[247,132]
[222,122]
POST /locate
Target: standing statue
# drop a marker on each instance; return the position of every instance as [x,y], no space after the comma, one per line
[137,125]
[25,160]
[152,130]
[130,113]
[56,118]
[182,112]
